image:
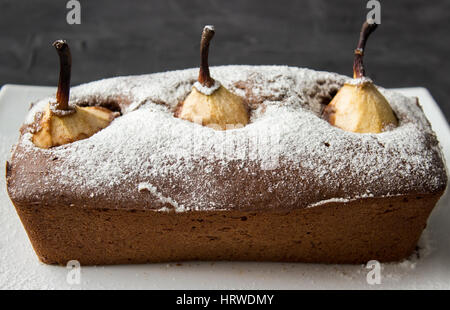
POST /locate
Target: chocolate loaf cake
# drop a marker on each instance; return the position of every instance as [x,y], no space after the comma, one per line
[288,186]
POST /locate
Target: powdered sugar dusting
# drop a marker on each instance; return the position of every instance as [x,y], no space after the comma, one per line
[287,156]
[359,81]
[56,111]
[205,90]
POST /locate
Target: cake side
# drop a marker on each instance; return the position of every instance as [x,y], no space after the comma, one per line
[288,157]
[384,229]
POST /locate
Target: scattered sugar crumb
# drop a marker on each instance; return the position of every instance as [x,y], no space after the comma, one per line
[152,189]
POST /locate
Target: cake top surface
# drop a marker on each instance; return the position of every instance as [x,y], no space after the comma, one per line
[286,157]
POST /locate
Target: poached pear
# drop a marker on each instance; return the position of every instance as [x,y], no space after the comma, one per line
[60,123]
[210,103]
[359,106]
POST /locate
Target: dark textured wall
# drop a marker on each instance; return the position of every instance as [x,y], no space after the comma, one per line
[410,48]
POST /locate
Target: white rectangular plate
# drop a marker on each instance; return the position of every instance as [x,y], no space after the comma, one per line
[20,268]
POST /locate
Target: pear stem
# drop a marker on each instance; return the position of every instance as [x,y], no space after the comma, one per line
[65,61]
[358,66]
[204,77]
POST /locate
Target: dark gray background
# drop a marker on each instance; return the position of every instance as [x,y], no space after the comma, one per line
[410,48]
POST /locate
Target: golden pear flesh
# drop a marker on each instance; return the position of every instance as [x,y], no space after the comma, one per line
[360,108]
[56,130]
[220,110]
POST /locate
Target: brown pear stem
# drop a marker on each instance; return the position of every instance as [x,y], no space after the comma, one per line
[65,61]
[204,77]
[358,67]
